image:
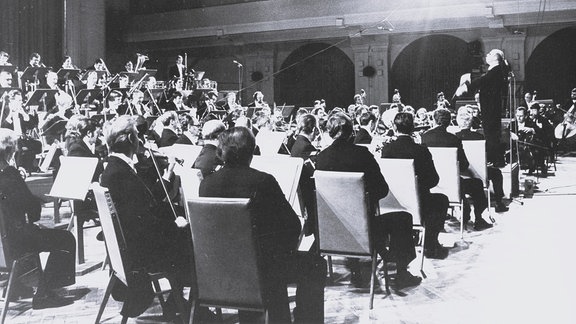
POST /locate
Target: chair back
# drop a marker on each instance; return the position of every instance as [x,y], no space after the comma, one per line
[225,252]
[113,234]
[446,164]
[476,153]
[343,213]
[6,254]
[403,188]
[285,169]
[270,142]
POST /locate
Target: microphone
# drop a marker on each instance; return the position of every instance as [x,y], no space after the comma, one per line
[237,63]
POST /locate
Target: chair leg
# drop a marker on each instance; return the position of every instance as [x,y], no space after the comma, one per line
[192,312]
[422,254]
[489,209]
[461,221]
[8,291]
[124,320]
[373,278]
[111,284]
[266,317]
[157,290]
[330,270]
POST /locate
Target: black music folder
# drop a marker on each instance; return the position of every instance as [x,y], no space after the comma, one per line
[38,95]
[33,72]
[67,74]
[54,126]
[287,111]
[147,72]
[6,90]
[153,93]
[131,75]
[251,111]
[86,95]
[9,68]
[99,73]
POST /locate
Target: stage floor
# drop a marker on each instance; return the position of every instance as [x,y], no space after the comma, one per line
[520,271]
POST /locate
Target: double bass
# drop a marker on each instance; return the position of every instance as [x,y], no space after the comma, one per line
[567,128]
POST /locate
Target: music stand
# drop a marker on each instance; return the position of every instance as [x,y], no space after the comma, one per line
[220,114]
[131,75]
[99,118]
[9,68]
[39,95]
[251,111]
[98,73]
[86,95]
[67,74]
[5,90]
[143,72]
[32,73]
[74,177]
[462,103]
[155,94]
[287,111]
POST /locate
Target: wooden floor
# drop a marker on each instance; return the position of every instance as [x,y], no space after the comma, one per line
[520,271]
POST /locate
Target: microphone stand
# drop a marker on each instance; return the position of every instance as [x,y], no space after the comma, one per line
[239,96]
[513,150]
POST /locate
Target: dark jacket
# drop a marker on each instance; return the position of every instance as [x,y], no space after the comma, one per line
[347,157]
[207,160]
[168,138]
[277,224]
[468,135]
[362,137]
[440,137]
[405,148]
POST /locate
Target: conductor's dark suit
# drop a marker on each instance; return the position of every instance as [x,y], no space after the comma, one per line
[347,157]
[278,229]
[433,205]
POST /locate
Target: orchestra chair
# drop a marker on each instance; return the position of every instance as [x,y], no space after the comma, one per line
[25,270]
[402,194]
[117,249]
[476,153]
[286,170]
[72,183]
[270,142]
[447,167]
[344,214]
[222,233]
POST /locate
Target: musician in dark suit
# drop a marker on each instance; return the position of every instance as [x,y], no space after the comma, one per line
[20,209]
[307,131]
[438,136]
[169,134]
[365,120]
[81,142]
[465,120]
[492,86]
[278,229]
[156,239]
[531,146]
[178,70]
[434,206]
[208,160]
[342,155]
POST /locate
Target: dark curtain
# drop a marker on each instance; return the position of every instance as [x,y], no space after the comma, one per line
[306,77]
[551,69]
[430,65]
[28,26]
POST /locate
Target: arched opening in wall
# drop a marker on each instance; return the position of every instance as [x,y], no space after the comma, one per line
[430,65]
[328,75]
[551,69]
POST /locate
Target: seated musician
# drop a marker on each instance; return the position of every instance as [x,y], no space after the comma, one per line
[531,146]
[464,119]
[81,141]
[4,57]
[434,206]
[113,100]
[342,155]
[171,129]
[306,133]
[21,209]
[175,103]
[190,130]
[438,136]
[134,106]
[5,79]
[278,229]
[157,239]
[258,102]
[366,121]
[208,160]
